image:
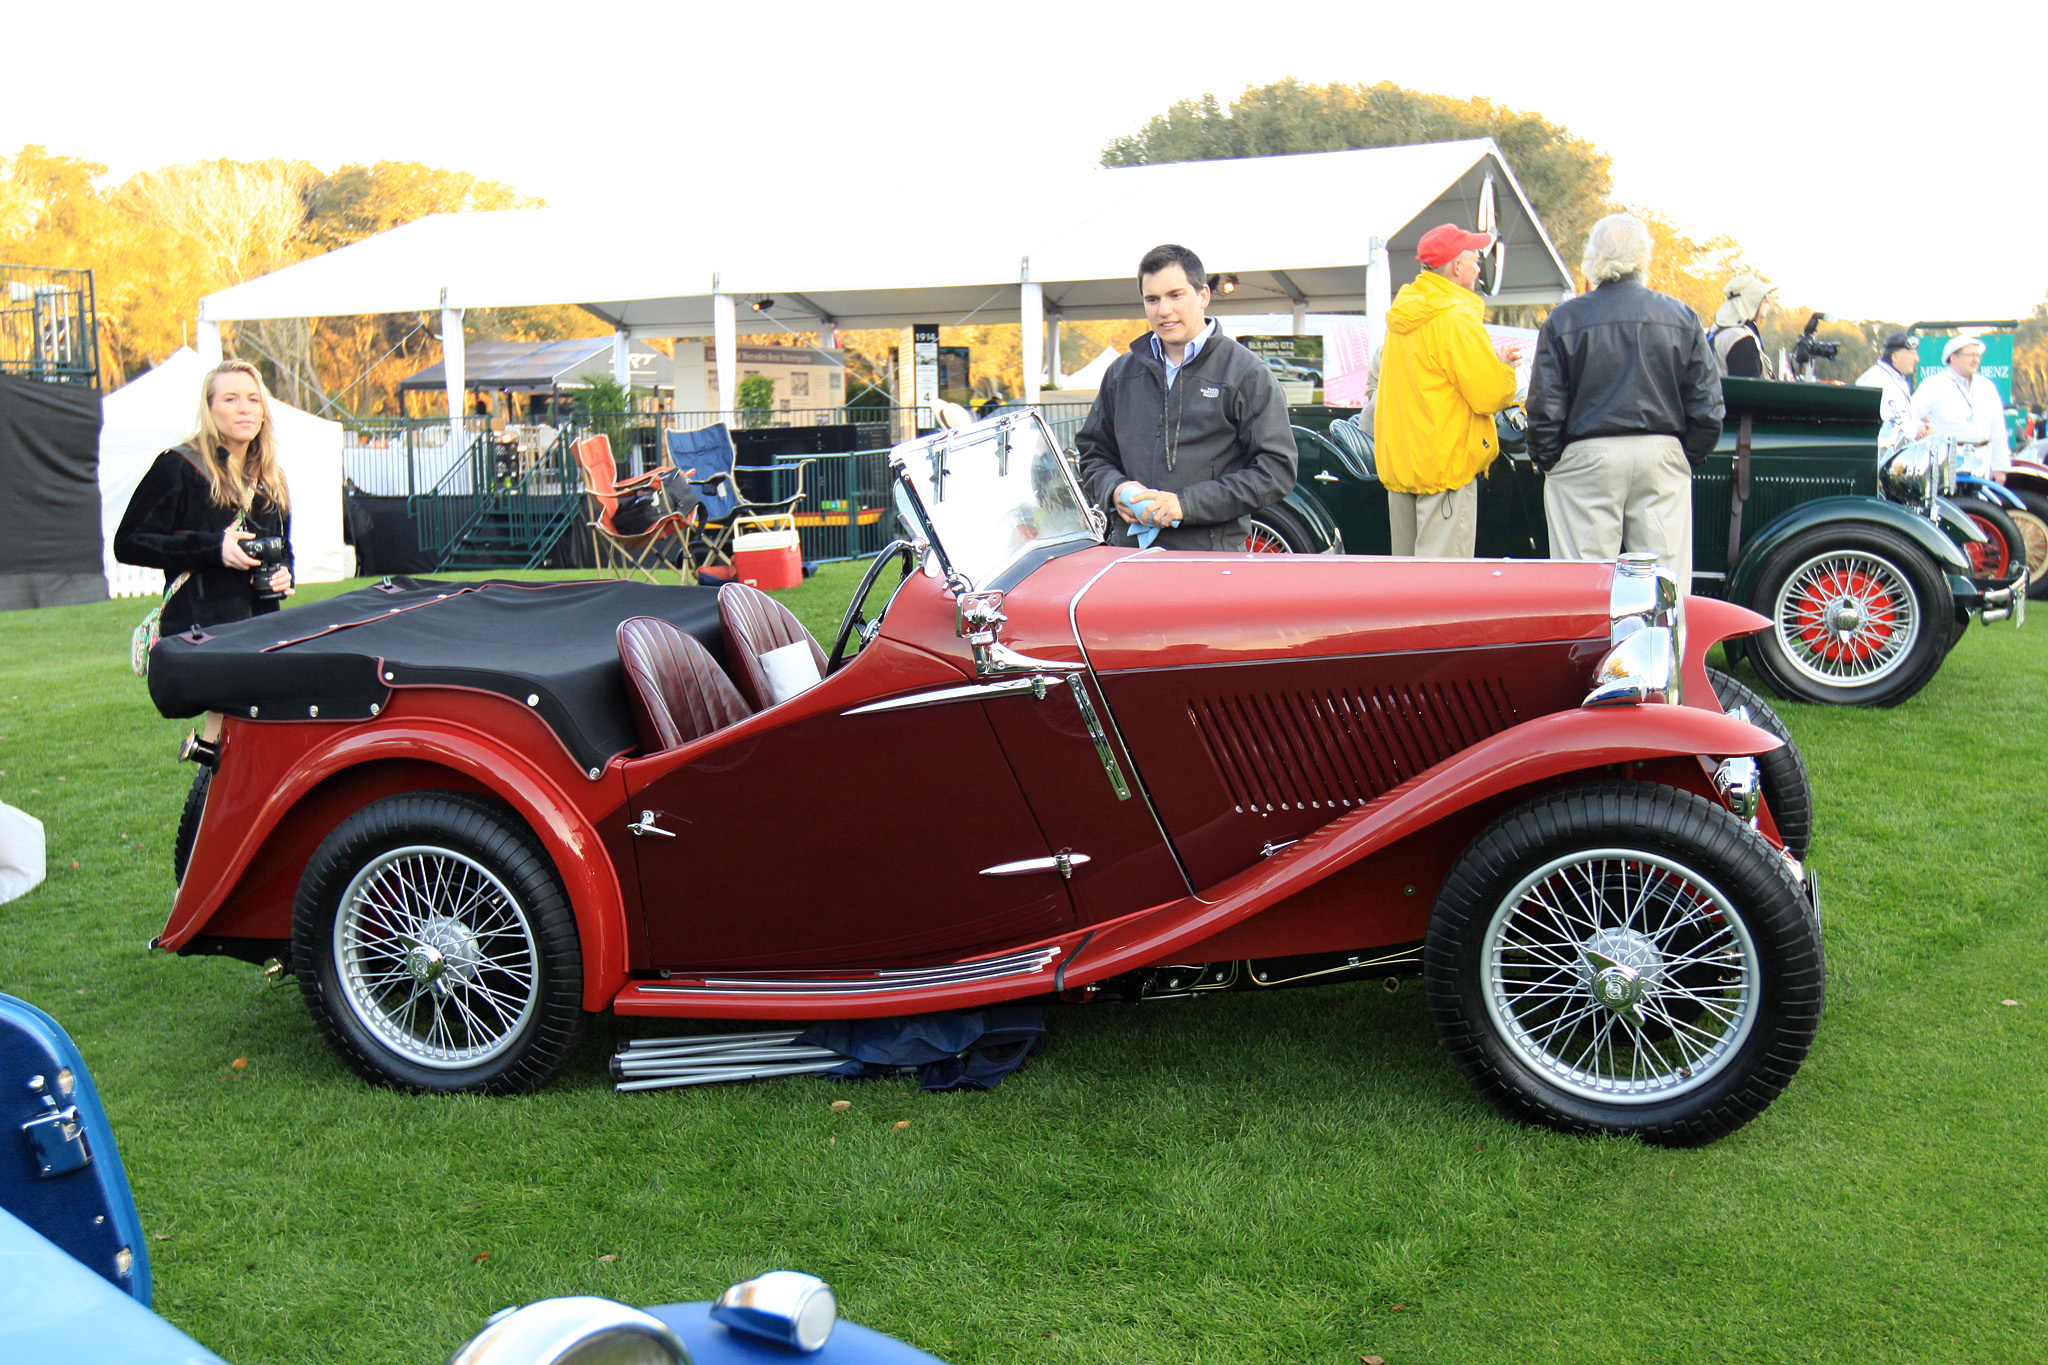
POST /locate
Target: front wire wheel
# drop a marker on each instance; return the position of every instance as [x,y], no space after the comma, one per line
[444,955]
[1856,617]
[1625,958]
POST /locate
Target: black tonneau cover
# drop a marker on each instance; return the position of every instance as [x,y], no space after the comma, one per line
[549,646]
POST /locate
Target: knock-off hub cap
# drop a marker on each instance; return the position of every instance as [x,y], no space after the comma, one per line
[425,963]
[1846,619]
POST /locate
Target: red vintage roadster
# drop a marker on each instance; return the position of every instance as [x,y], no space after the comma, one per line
[468,815]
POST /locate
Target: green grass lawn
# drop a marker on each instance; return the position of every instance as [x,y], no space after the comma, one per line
[1295,1177]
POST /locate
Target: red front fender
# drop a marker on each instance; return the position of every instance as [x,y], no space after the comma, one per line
[488,764]
[1543,749]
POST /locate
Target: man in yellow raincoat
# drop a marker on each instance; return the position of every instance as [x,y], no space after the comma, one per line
[1441,380]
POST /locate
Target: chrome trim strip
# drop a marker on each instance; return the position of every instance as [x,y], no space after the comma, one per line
[1074,625]
[1023,963]
[1037,685]
[1102,749]
[1062,863]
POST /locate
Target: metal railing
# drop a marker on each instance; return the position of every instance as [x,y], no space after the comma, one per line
[507,501]
[49,325]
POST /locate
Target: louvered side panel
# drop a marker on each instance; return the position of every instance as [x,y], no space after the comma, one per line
[1336,748]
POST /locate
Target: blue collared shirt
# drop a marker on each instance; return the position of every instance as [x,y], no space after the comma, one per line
[1187,357]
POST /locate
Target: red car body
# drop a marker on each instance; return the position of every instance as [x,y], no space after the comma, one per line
[1294,753]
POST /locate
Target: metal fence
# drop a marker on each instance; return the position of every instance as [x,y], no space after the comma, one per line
[49,326]
[513,492]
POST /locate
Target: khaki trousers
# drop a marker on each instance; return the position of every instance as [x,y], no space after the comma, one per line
[1435,525]
[1613,493]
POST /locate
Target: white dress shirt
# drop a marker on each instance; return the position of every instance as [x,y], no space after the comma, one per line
[1971,412]
[1896,406]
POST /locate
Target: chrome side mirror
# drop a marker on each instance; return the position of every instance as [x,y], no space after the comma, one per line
[786,1307]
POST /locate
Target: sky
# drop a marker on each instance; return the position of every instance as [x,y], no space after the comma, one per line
[1884,164]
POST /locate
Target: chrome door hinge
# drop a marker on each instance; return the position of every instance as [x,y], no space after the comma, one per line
[645,825]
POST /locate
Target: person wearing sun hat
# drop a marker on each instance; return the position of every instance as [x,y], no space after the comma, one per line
[1738,346]
[1442,377]
[1961,404]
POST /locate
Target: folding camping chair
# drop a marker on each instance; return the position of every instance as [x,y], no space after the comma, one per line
[603,488]
[705,459]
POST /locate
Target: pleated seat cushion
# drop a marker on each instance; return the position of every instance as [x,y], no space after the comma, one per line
[679,692]
[754,624]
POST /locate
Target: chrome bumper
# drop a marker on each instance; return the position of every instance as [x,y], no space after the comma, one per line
[2006,603]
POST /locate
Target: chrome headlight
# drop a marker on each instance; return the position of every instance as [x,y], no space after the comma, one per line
[1904,473]
[1646,637]
[575,1331]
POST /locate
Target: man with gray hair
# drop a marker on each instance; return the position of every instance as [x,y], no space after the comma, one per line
[1624,403]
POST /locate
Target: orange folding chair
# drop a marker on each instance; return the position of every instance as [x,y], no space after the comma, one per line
[613,548]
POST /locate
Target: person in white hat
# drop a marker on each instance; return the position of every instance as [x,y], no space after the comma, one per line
[1961,404]
[1738,345]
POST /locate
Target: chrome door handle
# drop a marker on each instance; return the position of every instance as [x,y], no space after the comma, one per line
[645,825]
[1325,476]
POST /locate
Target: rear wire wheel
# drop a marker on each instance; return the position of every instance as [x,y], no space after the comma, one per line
[436,949]
[1626,958]
[2032,521]
[2004,548]
[1277,530]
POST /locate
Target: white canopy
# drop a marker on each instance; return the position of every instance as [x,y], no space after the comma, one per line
[1324,231]
[153,412]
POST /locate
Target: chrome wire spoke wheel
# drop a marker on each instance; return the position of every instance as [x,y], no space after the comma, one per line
[1846,616]
[1620,976]
[436,957]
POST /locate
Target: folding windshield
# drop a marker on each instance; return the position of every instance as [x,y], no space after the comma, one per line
[989,494]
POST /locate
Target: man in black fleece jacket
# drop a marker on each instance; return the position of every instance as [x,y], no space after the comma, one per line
[1189,433]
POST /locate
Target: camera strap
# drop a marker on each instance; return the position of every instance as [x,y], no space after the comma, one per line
[1738,491]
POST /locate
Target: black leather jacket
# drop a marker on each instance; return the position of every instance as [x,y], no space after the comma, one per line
[1623,360]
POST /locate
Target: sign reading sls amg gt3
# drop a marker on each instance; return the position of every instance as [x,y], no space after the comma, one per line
[466,816]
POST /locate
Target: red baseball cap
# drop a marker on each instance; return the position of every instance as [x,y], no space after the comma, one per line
[1442,243]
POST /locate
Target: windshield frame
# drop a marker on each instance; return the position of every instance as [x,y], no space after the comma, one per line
[918,514]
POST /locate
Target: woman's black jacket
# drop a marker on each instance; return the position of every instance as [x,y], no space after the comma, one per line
[172,523]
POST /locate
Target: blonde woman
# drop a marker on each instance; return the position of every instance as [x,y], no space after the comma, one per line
[203,501]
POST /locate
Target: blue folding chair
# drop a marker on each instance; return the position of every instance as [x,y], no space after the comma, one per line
[704,458]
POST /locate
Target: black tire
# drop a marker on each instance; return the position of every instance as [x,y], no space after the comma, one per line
[1787,789]
[1677,1017]
[458,889]
[2032,521]
[1859,617]
[1277,530]
[2005,548]
[188,822]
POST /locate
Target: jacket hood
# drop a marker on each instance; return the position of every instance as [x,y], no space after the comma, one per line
[1428,297]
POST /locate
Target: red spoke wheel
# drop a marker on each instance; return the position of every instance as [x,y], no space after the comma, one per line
[1858,616]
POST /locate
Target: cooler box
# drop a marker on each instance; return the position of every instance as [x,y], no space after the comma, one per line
[765,554]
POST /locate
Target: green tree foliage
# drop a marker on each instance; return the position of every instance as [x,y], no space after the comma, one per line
[1565,177]
[756,398]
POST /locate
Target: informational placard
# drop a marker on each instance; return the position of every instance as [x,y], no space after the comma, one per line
[924,346]
[1296,361]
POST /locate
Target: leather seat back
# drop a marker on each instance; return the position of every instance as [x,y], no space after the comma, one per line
[679,692]
[754,624]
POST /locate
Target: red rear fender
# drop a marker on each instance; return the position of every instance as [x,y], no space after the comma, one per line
[259,831]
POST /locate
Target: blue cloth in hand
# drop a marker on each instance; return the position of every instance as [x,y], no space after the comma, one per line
[1145,534]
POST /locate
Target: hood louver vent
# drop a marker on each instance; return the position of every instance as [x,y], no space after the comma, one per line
[1334,749]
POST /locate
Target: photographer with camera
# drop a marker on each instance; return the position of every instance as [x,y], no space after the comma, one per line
[214,513]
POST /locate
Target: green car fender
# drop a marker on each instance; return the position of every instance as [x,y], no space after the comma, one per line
[1844,511]
[1957,523]
[1322,527]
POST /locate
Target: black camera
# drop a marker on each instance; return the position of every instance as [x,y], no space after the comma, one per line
[270,554]
[1809,348]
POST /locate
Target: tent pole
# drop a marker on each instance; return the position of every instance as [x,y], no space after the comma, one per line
[725,348]
[1379,291]
[622,361]
[1031,309]
[451,362]
[206,340]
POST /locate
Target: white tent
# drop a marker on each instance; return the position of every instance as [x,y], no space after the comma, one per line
[1089,376]
[153,412]
[1323,232]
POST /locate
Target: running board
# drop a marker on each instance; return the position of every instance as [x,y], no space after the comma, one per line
[1025,963]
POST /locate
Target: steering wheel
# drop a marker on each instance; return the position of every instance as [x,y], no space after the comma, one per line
[853,620]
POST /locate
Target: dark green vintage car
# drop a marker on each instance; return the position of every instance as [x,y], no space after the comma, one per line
[1863,578]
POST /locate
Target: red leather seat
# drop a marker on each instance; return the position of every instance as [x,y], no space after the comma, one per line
[754,624]
[679,691]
